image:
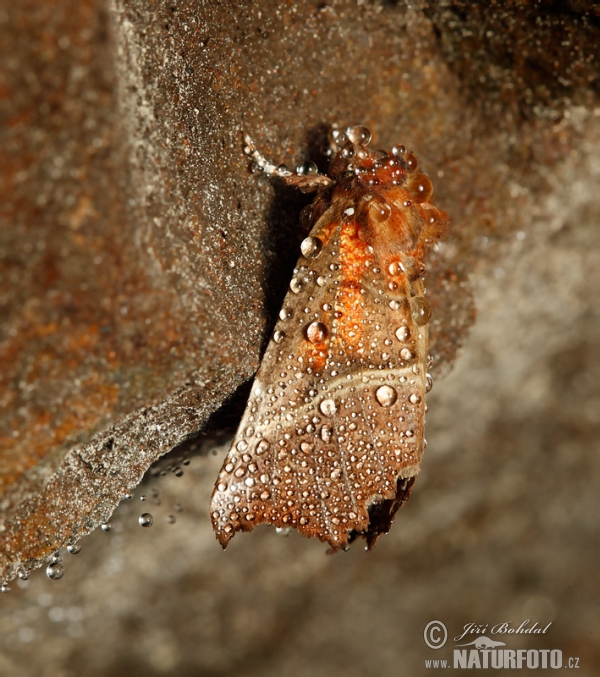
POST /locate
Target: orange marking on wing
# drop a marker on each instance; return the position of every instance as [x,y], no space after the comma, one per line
[348,306]
[316,354]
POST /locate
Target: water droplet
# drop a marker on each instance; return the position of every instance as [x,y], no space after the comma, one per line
[106,527]
[433,215]
[171,519]
[262,446]
[242,445]
[321,280]
[414,398]
[420,187]
[307,169]
[411,161]
[5,587]
[295,285]
[306,216]
[421,310]
[403,333]
[328,407]
[406,354]
[278,336]
[326,433]
[55,571]
[283,531]
[359,135]
[24,574]
[347,152]
[338,136]
[316,332]
[386,395]
[428,382]
[145,519]
[395,305]
[74,548]
[311,247]
[380,211]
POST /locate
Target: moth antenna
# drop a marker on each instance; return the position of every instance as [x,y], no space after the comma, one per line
[306,177]
[261,162]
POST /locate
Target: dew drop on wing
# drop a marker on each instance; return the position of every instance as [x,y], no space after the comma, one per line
[386,395]
[311,247]
[328,407]
[420,310]
[316,332]
[403,333]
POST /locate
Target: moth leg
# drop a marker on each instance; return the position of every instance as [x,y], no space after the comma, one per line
[306,177]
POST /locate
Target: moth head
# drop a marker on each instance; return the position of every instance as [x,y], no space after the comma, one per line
[352,159]
[390,198]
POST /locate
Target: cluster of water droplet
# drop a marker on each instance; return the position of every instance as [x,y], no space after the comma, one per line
[55,568]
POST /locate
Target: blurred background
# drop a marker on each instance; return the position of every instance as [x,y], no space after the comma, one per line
[141,270]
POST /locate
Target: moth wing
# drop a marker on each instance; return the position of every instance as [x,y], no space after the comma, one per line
[332,435]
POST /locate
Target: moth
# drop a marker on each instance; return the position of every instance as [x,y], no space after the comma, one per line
[332,436]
